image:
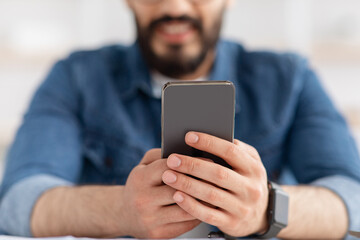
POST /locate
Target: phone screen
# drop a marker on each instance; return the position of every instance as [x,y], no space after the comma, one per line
[202,106]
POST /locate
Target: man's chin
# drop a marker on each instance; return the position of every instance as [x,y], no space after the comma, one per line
[175,60]
[177,57]
[176,67]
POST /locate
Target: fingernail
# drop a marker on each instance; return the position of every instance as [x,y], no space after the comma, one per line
[178,197]
[192,137]
[169,177]
[174,161]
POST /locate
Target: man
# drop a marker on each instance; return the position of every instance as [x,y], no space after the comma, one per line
[78,164]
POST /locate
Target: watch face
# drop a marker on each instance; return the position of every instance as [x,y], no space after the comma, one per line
[281,206]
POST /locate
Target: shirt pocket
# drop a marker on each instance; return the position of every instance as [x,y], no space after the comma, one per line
[111,158]
[122,157]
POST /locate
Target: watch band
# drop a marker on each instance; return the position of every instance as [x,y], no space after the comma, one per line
[276,197]
[272,232]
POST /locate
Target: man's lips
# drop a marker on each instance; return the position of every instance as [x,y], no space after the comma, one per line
[175,32]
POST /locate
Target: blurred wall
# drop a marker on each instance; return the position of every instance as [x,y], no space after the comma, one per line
[35,33]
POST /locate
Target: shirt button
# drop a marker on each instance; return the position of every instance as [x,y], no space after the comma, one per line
[109,162]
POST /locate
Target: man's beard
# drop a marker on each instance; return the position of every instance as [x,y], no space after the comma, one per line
[175,64]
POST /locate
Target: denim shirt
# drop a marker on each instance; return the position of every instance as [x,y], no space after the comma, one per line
[94,117]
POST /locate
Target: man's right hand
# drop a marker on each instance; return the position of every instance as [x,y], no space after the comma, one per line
[149,208]
[143,208]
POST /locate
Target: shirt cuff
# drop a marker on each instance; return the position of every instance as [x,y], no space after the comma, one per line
[348,190]
[17,204]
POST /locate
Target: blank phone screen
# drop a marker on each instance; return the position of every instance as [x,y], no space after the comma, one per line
[206,107]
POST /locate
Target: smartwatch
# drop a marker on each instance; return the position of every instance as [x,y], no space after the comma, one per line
[277,212]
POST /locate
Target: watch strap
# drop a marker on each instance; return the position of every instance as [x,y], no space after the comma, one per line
[273,227]
[272,232]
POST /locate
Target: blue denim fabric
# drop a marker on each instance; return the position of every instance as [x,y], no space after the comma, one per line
[94,117]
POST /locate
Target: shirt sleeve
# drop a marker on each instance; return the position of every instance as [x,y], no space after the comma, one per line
[48,143]
[349,191]
[16,207]
[320,145]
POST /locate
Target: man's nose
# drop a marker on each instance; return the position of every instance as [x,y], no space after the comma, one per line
[176,8]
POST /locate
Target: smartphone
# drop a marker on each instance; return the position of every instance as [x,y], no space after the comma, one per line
[202,106]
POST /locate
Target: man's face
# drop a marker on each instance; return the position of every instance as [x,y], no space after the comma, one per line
[175,36]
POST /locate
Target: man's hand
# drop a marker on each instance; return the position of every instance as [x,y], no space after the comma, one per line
[143,208]
[149,208]
[238,197]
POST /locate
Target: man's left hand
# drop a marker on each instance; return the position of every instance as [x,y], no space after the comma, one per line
[235,200]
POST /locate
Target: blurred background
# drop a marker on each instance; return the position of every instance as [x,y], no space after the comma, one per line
[35,33]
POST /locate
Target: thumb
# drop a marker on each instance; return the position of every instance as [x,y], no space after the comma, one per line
[151,156]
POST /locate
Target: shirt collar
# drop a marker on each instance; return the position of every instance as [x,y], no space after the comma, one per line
[137,75]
